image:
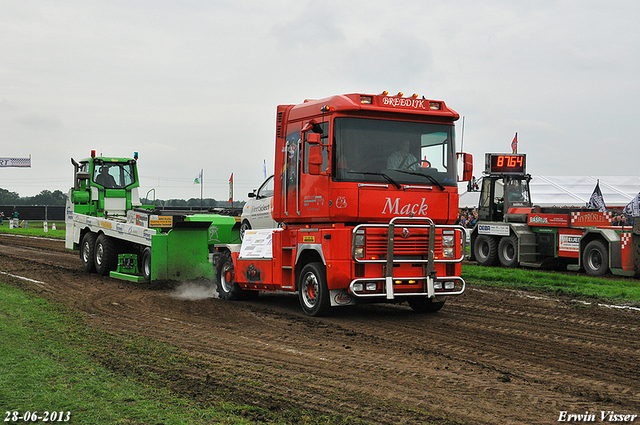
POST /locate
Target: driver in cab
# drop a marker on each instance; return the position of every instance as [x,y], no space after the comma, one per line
[402,159]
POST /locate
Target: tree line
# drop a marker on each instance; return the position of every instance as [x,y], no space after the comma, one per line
[57,197]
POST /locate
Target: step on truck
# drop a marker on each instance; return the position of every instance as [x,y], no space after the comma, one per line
[117,236]
[365,194]
[512,231]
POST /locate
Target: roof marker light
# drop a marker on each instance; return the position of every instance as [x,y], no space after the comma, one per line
[327,108]
[400,94]
[384,93]
[415,95]
[93,153]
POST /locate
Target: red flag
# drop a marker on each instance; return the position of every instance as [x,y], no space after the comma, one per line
[514,143]
[231,189]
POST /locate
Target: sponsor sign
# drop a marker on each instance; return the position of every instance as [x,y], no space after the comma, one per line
[553,220]
[257,244]
[493,229]
[590,219]
[309,239]
[161,221]
[569,243]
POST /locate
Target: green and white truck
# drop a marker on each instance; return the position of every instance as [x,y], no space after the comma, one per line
[118,236]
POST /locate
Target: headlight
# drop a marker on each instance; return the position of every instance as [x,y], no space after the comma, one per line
[447,240]
[358,287]
[449,285]
[437,286]
[447,252]
[371,286]
[359,252]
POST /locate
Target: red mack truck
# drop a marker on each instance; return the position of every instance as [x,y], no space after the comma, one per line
[366,197]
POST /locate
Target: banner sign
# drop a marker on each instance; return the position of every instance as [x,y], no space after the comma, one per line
[15,162]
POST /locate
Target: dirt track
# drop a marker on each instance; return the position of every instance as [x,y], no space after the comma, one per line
[489,357]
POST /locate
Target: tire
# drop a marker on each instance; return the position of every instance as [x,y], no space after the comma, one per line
[226,284]
[145,264]
[425,305]
[106,255]
[485,250]
[313,292]
[243,228]
[595,258]
[508,251]
[87,252]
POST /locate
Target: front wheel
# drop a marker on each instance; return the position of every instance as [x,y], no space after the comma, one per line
[485,250]
[313,291]
[595,258]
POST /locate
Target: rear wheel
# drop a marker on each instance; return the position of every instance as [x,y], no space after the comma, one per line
[595,258]
[313,291]
[146,264]
[106,255]
[508,251]
[485,250]
[425,305]
[226,284]
[87,252]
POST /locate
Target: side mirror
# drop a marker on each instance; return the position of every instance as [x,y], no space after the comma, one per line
[466,163]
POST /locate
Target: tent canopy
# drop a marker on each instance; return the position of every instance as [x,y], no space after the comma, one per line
[571,191]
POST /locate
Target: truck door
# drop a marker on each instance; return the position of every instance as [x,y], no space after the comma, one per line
[314,190]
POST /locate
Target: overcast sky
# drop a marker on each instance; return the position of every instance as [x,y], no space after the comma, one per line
[194,85]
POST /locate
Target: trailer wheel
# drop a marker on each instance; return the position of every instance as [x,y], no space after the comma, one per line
[485,250]
[312,290]
[425,305]
[146,264]
[595,258]
[226,284]
[106,255]
[87,252]
[508,251]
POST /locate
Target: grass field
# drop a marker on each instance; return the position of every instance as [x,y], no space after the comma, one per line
[36,228]
[51,362]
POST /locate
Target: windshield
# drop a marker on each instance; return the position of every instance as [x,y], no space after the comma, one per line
[384,151]
[113,175]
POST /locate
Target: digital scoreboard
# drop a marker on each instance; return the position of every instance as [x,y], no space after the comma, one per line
[502,163]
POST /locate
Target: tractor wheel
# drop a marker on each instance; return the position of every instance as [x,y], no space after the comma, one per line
[106,255]
[226,285]
[313,291]
[508,251]
[485,250]
[425,305]
[145,265]
[595,258]
[87,252]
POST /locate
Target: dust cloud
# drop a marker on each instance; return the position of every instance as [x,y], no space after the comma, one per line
[194,291]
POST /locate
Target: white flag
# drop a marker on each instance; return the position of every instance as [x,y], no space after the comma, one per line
[198,178]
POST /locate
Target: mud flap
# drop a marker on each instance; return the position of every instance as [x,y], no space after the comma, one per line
[340,297]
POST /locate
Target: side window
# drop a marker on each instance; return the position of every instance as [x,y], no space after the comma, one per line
[266,190]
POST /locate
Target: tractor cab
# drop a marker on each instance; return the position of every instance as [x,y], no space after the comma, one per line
[504,194]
